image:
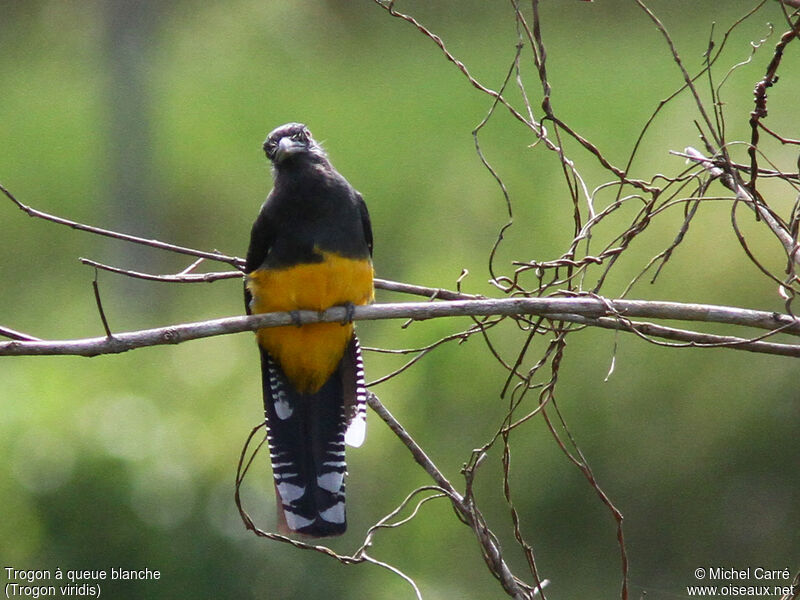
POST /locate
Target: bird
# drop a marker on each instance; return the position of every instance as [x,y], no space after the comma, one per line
[310,249]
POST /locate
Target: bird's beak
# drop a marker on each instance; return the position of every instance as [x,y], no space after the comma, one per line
[287,147]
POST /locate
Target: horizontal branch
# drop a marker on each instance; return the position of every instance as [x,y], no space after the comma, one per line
[584,310]
[183,277]
[692,339]
[188,277]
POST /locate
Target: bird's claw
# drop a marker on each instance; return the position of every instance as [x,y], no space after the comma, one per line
[349,313]
[295,315]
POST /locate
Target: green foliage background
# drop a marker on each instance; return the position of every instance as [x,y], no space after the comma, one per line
[150,119]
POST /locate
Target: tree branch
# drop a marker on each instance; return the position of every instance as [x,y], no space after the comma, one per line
[187,277]
[32,212]
[587,310]
[790,245]
[17,335]
[466,510]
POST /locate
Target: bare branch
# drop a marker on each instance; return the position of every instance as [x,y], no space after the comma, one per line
[99,302]
[692,338]
[579,309]
[17,335]
[418,453]
[186,277]
[32,212]
[760,93]
[489,546]
[182,277]
[790,245]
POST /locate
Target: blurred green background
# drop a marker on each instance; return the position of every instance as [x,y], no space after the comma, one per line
[148,117]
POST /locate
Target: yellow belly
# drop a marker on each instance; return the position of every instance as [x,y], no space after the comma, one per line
[308,355]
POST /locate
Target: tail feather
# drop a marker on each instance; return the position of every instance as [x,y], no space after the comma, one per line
[307,434]
[355,394]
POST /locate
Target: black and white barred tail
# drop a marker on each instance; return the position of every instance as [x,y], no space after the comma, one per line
[307,435]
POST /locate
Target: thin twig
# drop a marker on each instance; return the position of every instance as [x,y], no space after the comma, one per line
[17,335]
[32,212]
[182,277]
[99,303]
[790,245]
[187,277]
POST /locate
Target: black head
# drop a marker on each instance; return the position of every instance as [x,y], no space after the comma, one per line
[290,142]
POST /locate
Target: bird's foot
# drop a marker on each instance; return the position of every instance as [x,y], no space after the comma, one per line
[349,312]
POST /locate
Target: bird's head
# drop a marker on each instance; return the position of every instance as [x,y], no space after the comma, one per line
[290,142]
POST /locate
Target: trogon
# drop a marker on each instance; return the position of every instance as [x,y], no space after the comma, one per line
[310,249]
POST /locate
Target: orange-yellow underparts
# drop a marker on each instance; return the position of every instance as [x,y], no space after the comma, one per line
[309,354]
